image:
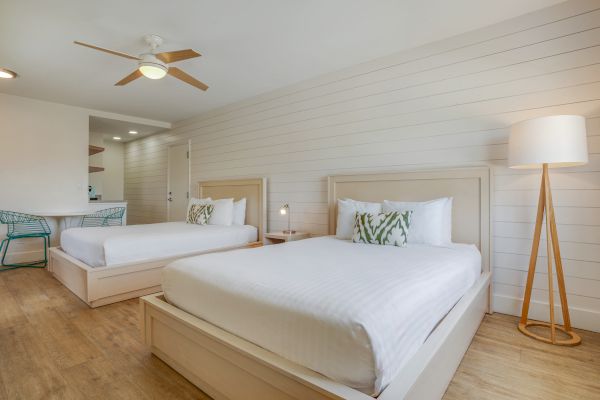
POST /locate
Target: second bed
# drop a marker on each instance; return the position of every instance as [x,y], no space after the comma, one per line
[103,265]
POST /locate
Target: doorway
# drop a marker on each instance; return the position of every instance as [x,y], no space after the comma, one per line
[178,181]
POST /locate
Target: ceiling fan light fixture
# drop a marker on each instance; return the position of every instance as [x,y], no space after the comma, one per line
[152,68]
[153,71]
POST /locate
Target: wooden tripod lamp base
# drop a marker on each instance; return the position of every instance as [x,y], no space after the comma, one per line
[573,339]
[552,249]
[557,141]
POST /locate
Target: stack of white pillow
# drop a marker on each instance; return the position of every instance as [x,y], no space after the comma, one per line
[431,221]
[226,211]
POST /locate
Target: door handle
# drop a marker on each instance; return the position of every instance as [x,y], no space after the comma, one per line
[170,199]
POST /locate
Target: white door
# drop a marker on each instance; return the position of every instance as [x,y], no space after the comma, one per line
[178,182]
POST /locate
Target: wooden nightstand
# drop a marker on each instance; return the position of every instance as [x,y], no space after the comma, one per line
[280,237]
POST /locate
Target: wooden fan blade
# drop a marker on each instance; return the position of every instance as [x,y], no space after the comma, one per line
[116,53]
[179,55]
[179,74]
[131,77]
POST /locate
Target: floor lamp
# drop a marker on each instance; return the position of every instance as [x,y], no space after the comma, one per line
[548,142]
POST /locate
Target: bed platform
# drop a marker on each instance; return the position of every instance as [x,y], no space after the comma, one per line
[226,366]
[98,286]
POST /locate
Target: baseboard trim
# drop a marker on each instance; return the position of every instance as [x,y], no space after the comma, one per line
[580,318]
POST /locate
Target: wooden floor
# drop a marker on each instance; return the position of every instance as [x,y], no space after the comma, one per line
[52,346]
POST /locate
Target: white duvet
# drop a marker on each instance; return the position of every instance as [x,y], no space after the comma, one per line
[353,312]
[111,245]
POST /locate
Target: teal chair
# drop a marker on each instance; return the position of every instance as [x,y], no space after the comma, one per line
[21,226]
[107,217]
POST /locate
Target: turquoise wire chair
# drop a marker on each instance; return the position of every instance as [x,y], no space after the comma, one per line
[21,226]
[107,217]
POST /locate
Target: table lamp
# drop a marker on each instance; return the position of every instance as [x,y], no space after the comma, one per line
[548,142]
[285,210]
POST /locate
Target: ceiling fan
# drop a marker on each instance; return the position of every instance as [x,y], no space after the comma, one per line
[154,65]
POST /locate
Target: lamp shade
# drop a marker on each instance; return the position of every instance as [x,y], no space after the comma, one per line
[559,141]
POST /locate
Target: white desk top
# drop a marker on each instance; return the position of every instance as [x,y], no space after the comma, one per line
[59,213]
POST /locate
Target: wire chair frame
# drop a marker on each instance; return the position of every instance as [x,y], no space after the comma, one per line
[21,226]
[107,217]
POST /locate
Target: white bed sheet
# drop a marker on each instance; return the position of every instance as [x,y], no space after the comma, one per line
[111,245]
[353,312]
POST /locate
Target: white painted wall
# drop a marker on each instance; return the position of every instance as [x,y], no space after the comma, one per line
[43,155]
[450,103]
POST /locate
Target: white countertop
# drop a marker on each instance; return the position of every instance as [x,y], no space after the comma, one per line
[59,213]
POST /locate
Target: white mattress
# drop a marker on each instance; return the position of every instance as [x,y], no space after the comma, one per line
[111,245]
[353,312]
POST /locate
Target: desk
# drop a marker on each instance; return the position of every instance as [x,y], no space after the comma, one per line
[62,221]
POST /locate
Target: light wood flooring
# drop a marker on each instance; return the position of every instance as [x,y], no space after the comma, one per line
[52,346]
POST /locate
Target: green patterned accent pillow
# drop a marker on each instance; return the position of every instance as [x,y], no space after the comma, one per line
[199,214]
[384,228]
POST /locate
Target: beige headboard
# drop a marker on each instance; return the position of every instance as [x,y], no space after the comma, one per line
[255,192]
[470,188]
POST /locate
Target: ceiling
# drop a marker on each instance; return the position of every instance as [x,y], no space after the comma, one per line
[248,47]
[112,127]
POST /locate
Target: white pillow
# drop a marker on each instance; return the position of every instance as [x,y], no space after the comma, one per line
[239,212]
[195,200]
[347,208]
[431,221]
[447,234]
[223,212]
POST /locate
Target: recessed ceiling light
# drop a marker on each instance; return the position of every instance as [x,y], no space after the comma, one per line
[7,73]
[117,137]
[132,132]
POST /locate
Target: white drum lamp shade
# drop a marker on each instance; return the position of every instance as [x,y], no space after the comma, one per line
[559,141]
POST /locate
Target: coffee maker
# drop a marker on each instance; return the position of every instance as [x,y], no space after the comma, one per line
[92,193]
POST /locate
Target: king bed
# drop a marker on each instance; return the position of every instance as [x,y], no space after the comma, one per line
[103,265]
[326,318]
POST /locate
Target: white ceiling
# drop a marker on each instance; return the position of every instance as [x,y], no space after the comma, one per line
[248,47]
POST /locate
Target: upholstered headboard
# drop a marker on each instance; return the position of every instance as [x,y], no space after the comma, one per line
[470,188]
[255,192]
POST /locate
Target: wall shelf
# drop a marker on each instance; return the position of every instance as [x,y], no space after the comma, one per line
[94,150]
[91,151]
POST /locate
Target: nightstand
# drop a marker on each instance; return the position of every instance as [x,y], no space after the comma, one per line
[280,237]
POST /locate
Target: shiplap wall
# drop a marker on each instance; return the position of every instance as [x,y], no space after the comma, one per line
[449,103]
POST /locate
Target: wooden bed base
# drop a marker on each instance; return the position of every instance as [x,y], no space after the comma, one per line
[227,367]
[98,286]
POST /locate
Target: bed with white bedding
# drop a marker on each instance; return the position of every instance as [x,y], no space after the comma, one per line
[352,312]
[102,265]
[325,318]
[114,245]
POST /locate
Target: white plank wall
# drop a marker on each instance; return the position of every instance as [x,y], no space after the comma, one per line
[445,104]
